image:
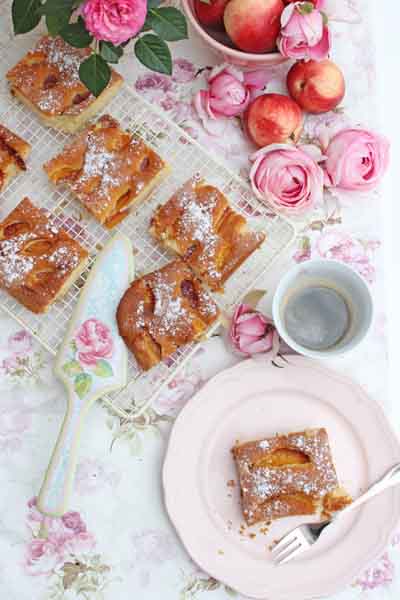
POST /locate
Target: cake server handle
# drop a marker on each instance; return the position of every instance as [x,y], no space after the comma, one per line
[57,485]
[390,479]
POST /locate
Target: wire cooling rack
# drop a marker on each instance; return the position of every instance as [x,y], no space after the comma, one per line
[185,157]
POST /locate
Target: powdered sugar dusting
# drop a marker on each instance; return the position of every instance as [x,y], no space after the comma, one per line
[66,58]
[266,488]
[14,266]
[65,259]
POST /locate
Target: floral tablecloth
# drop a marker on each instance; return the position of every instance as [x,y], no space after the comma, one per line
[117,542]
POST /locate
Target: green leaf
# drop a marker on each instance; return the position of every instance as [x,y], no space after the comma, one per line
[325,17]
[76,34]
[25,15]
[154,53]
[153,3]
[72,368]
[82,384]
[103,369]
[56,7]
[169,23]
[95,73]
[147,24]
[305,8]
[56,22]
[110,53]
[206,1]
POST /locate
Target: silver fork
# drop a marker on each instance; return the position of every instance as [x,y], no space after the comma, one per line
[301,538]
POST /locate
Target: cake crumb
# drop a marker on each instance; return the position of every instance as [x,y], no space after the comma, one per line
[221,552]
[231,483]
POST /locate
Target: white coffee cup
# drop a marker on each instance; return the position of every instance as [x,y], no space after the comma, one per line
[338,280]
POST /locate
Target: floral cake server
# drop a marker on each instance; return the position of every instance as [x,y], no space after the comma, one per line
[91,362]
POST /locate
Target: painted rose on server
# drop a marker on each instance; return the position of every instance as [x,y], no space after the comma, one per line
[93,341]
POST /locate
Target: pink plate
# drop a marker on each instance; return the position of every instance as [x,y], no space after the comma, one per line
[253,400]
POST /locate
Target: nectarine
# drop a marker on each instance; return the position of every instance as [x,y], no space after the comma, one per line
[211,13]
[273,118]
[317,86]
[254,25]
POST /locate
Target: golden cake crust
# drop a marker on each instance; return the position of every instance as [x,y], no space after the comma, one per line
[198,224]
[164,310]
[38,261]
[47,80]
[107,169]
[13,153]
[288,475]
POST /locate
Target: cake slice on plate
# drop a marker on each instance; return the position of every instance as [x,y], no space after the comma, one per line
[288,475]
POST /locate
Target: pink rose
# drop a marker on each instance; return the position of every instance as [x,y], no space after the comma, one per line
[174,397]
[356,159]
[20,343]
[81,543]
[42,557]
[153,86]
[114,21]
[304,33]
[93,341]
[92,475]
[183,71]
[72,520]
[380,574]
[287,177]
[251,332]
[338,245]
[228,95]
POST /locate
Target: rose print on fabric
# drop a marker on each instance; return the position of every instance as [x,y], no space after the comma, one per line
[14,422]
[92,475]
[20,361]
[66,556]
[173,398]
[151,549]
[379,575]
[339,245]
[91,346]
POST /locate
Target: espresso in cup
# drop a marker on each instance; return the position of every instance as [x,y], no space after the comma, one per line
[317,317]
[322,308]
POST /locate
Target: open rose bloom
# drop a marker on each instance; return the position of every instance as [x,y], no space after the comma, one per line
[114,21]
[251,332]
[356,159]
[305,33]
[287,177]
[228,95]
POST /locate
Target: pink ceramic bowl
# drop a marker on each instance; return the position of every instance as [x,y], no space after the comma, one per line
[226,53]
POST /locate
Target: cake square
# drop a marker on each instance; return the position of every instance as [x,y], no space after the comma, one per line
[38,261]
[13,153]
[108,170]
[199,225]
[288,475]
[47,81]
[163,311]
